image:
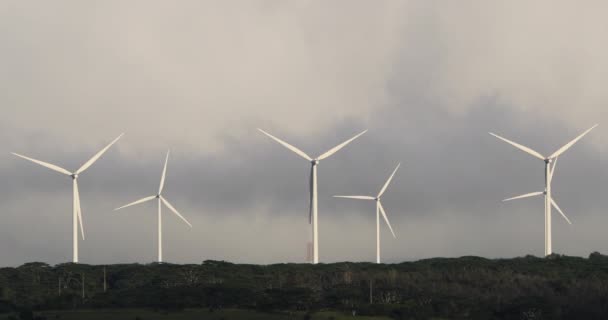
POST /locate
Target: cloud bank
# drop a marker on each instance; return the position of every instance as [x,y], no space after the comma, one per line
[428,80]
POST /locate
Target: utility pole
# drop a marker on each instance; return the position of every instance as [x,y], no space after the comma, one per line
[59,287]
[105,286]
[371,286]
[82,287]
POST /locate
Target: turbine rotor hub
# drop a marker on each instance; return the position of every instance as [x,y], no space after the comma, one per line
[315,162]
[74,176]
[158,196]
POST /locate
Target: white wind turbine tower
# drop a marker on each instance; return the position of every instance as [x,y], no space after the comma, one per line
[161,199]
[379,209]
[313,184]
[76,210]
[549,171]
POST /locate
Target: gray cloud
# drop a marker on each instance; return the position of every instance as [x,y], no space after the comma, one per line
[428,83]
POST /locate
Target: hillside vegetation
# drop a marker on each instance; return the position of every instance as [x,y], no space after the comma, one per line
[556,287]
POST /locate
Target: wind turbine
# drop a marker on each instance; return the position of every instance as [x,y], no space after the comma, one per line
[160,199]
[550,163]
[379,209]
[313,184]
[76,210]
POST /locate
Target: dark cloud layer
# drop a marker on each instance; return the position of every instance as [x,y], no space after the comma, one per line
[452,171]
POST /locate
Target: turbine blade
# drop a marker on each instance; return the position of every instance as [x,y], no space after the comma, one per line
[174,210]
[45,164]
[388,181]
[560,210]
[356,197]
[571,143]
[310,185]
[338,147]
[136,202]
[386,218]
[552,170]
[78,208]
[97,156]
[287,145]
[520,147]
[527,195]
[162,178]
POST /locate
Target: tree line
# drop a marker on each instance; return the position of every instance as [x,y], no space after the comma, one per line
[555,287]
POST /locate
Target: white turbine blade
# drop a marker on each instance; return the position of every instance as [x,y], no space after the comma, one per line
[136,202]
[520,147]
[356,197]
[388,181]
[560,210]
[162,178]
[288,146]
[338,147]
[571,143]
[78,208]
[527,195]
[44,164]
[552,170]
[97,156]
[310,185]
[174,210]
[386,218]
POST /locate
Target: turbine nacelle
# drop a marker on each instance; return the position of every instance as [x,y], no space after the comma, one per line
[314,162]
[74,176]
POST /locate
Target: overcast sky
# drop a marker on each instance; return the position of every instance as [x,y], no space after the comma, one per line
[428,79]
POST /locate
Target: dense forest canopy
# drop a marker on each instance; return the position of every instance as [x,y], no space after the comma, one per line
[468,287]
